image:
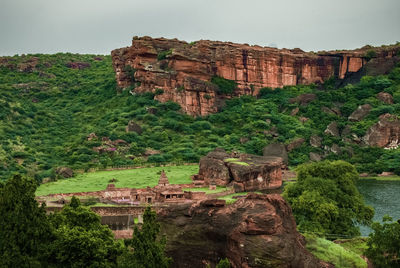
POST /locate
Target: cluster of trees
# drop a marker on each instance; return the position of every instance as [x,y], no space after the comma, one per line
[325,199]
[326,202]
[73,237]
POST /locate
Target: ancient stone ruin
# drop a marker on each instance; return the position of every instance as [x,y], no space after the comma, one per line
[182,72]
[245,172]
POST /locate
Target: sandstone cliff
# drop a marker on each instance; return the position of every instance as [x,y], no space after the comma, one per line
[183,71]
[256,231]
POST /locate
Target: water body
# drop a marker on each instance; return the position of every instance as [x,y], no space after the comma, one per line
[383,196]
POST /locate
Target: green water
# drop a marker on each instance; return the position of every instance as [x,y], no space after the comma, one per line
[383,196]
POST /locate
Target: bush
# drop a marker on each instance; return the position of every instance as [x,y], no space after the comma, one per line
[384,244]
[225,86]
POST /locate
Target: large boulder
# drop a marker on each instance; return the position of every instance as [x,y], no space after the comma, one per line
[276,150]
[385,97]
[385,133]
[303,99]
[65,172]
[332,129]
[133,127]
[360,113]
[245,172]
[296,143]
[212,168]
[315,141]
[255,231]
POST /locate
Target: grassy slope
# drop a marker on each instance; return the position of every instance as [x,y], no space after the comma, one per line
[134,178]
[333,253]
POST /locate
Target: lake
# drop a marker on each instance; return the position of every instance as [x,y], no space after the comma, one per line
[383,196]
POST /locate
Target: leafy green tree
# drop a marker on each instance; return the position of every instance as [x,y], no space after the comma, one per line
[224,263]
[146,250]
[325,199]
[81,240]
[384,244]
[24,229]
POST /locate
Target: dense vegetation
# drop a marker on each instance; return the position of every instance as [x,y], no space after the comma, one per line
[325,200]
[73,237]
[384,243]
[48,111]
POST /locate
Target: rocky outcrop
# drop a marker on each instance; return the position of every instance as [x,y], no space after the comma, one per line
[332,129]
[244,172]
[303,99]
[65,172]
[360,113]
[385,133]
[183,71]
[133,127]
[255,231]
[296,143]
[276,150]
[385,97]
[78,65]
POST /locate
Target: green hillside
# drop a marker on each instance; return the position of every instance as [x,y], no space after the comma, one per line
[48,110]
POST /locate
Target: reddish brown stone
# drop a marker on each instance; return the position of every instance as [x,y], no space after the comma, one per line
[184,74]
[254,231]
[245,173]
[385,133]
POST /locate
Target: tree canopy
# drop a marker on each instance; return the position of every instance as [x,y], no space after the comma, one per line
[384,244]
[146,249]
[25,232]
[81,239]
[325,199]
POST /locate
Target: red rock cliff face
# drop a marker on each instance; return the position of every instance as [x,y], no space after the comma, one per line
[185,70]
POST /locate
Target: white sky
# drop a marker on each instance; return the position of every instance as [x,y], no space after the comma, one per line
[98,26]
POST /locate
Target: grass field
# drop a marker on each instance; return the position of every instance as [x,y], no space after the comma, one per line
[134,178]
[389,178]
[333,253]
[219,189]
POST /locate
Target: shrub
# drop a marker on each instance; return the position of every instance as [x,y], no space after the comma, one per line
[163,54]
[225,86]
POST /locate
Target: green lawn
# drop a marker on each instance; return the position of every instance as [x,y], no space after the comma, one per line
[389,178]
[219,189]
[134,178]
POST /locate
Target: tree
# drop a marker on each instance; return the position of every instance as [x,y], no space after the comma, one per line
[81,239]
[224,263]
[325,199]
[145,250]
[24,229]
[384,244]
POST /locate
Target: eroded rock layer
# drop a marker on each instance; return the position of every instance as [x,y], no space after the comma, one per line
[245,172]
[183,71]
[255,231]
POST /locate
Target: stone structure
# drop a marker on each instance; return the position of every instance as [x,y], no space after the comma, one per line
[245,173]
[255,231]
[182,72]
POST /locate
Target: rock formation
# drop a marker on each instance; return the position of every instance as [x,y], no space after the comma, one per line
[245,173]
[385,133]
[276,150]
[181,72]
[255,231]
[360,113]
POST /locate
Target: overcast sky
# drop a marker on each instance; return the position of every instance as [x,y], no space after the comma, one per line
[98,26]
